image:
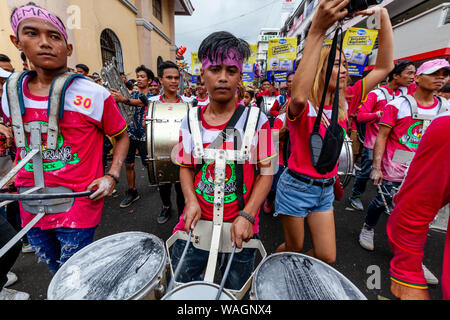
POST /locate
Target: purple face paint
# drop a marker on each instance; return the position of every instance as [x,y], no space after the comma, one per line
[233,59]
[28,12]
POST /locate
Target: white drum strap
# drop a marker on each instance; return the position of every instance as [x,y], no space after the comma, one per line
[416,115]
[196,132]
[15,109]
[386,93]
[249,134]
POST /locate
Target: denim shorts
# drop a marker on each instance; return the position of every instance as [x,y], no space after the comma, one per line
[297,198]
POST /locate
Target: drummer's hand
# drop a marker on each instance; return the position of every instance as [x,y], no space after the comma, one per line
[105,187]
[118,97]
[407,293]
[7,132]
[376,175]
[192,213]
[241,230]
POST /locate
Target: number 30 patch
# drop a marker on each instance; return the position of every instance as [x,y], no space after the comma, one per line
[81,101]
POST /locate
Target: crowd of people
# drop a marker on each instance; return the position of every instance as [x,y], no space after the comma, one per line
[396,103]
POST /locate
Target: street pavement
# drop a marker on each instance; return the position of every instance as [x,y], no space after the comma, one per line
[360,266]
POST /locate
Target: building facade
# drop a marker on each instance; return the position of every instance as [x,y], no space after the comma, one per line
[421,28]
[135,32]
[263,46]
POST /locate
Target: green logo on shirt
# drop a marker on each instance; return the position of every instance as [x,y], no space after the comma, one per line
[205,187]
[412,138]
[53,159]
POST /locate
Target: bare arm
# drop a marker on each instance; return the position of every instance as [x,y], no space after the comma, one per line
[105,185]
[385,57]
[327,14]
[192,212]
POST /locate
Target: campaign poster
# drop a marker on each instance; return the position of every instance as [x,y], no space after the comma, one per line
[357,47]
[281,58]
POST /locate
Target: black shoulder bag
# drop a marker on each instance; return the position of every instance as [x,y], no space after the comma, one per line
[325,151]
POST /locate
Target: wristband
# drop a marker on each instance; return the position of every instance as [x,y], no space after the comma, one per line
[247,216]
[110,175]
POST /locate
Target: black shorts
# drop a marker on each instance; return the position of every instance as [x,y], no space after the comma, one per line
[141,146]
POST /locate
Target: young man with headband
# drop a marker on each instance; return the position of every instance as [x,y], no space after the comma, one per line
[43,38]
[222,57]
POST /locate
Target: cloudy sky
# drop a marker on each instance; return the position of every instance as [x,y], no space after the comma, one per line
[243,18]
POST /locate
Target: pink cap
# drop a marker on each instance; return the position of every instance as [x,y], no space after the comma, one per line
[432,66]
[31,11]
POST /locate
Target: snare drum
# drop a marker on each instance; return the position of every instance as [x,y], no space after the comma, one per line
[163,134]
[125,266]
[345,166]
[294,276]
[198,290]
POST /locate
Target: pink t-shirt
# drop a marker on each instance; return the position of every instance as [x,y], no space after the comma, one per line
[262,150]
[300,130]
[405,135]
[376,101]
[89,111]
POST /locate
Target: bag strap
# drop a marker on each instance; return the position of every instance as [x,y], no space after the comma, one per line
[331,59]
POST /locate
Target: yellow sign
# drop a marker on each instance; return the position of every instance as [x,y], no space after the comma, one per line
[358,45]
[253,50]
[195,64]
[282,54]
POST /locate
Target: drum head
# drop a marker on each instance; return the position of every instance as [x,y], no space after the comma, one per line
[293,276]
[117,267]
[198,291]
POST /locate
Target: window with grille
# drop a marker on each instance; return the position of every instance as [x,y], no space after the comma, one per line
[111,48]
[157,9]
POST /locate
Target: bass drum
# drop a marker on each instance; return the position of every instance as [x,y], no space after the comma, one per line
[345,165]
[163,134]
[294,276]
[125,266]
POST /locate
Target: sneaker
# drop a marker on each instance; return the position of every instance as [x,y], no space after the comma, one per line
[131,196]
[431,278]
[10,294]
[12,278]
[268,207]
[366,239]
[356,203]
[27,248]
[164,215]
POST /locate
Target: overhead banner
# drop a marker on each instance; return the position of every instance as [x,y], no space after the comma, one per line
[249,65]
[281,58]
[357,47]
[196,66]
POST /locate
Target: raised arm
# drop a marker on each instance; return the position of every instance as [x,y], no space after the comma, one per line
[328,12]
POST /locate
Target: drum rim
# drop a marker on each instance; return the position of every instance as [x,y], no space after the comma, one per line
[87,248]
[254,292]
[195,283]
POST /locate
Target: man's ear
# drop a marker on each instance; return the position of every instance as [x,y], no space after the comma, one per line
[15,41]
[69,50]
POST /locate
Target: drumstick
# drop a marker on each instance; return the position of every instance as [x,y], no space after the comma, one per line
[225,275]
[177,271]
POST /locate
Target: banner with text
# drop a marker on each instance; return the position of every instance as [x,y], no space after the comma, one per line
[357,47]
[281,58]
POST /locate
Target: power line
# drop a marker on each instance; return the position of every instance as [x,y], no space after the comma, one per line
[232,19]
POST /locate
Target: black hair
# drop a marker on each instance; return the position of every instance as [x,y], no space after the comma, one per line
[399,67]
[266,80]
[150,74]
[219,45]
[199,80]
[446,88]
[166,65]
[251,93]
[4,58]
[290,74]
[83,67]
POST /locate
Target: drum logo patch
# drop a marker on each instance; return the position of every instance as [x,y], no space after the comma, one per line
[205,186]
